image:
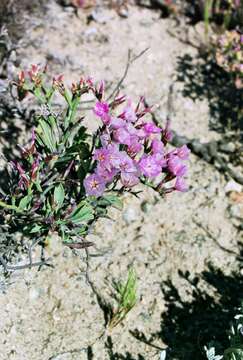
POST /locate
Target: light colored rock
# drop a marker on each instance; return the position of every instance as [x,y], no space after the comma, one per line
[232,186]
[130,215]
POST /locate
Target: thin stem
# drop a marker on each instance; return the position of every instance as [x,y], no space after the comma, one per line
[25,266]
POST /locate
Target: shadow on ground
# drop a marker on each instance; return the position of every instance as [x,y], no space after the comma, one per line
[203,79]
[188,325]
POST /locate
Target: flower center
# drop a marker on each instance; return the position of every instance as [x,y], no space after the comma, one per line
[94,184]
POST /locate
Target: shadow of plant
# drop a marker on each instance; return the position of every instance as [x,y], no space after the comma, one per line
[203,79]
[116,356]
[187,326]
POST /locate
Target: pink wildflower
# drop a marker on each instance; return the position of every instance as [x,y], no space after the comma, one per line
[149,166]
[151,128]
[21,77]
[122,136]
[157,146]
[117,123]
[105,139]
[114,155]
[183,152]
[160,159]
[129,179]
[101,109]
[126,164]
[135,146]
[167,133]
[101,155]
[33,72]
[176,167]
[180,185]
[94,185]
[129,114]
[106,174]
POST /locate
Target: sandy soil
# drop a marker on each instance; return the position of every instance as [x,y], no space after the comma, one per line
[54,314]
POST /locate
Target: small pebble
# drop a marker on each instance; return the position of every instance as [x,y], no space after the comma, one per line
[130,215]
[34,293]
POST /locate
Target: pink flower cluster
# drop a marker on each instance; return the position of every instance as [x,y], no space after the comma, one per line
[133,150]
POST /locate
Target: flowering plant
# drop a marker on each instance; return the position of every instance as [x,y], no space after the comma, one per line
[66,177]
[229,55]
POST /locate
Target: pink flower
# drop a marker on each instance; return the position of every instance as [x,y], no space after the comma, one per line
[183,152]
[33,72]
[117,123]
[176,167]
[135,146]
[108,157]
[101,109]
[126,164]
[106,174]
[129,179]
[141,133]
[160,159]
[122,136]
[131,129]
[21,77]
[101,155]
[149,166]
[105,139]
[180,185]
[151,128]
[89,81]
[167,133]
[94,185]
[157,146]
[129,114]
[114,155]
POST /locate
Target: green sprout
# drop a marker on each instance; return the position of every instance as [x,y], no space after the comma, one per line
[126,298]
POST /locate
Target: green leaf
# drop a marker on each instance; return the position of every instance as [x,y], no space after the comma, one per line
[234,353]
[59,195]
[36,228]
[126,297]
[82,214]
[113,200]
[49,94]
[38,94]
[46,135]
[24,202]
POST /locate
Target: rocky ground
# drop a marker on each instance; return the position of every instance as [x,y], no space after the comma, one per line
[185,248]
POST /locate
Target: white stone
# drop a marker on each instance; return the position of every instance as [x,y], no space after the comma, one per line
[232,186]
